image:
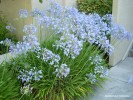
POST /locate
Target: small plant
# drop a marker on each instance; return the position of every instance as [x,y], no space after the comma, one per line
[102,7]
[68,63]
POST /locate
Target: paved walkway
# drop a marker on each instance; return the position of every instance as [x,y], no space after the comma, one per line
[117,86]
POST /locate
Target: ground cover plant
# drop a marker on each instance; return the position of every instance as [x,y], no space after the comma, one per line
[69,62]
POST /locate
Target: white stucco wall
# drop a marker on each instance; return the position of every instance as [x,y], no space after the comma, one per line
[70,3]
[123,14]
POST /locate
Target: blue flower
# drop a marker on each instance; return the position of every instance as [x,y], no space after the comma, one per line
[31,75]
[70,45]
[96,60]
[37,12]
[10,28]
[30,29]
[62,71]
[6,42]
[23,13]
[49,56]
[91,77]
[105,73]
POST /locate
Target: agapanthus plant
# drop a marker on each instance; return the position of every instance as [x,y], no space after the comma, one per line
[66,65]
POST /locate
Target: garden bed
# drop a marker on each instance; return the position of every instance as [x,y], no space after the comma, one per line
[67,64]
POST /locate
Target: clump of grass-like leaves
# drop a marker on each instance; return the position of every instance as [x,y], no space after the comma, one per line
[51,87]
[9,85]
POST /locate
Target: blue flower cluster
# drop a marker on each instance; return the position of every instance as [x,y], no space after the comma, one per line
[53,59]
[36,13]
[98,70]
[91,28]
[62,71]
[10,27]
[23,13]
[6,42]
[29,29]
[30,42]
[49,56]
[31,75]
[96,60]
[91,77]
[70,45]
[105,73]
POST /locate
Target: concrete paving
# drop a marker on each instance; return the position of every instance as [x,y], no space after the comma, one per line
[117,86]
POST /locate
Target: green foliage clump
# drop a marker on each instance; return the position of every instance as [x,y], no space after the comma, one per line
[9,86]
[75,85]
[101,7]
[50,87]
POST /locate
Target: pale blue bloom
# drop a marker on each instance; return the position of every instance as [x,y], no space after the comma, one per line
[49,56]
[37,12]
[30,29]
[31,75]
[23,13]
[11,28]
[6,42]
[30,42]
[105,73]
[70,45]
[98,69]
[62,71]
[91,77]
[88,28]
[96,60]
[119,32]
[56,10]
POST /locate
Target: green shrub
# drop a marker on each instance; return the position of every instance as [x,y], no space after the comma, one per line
[101,7]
